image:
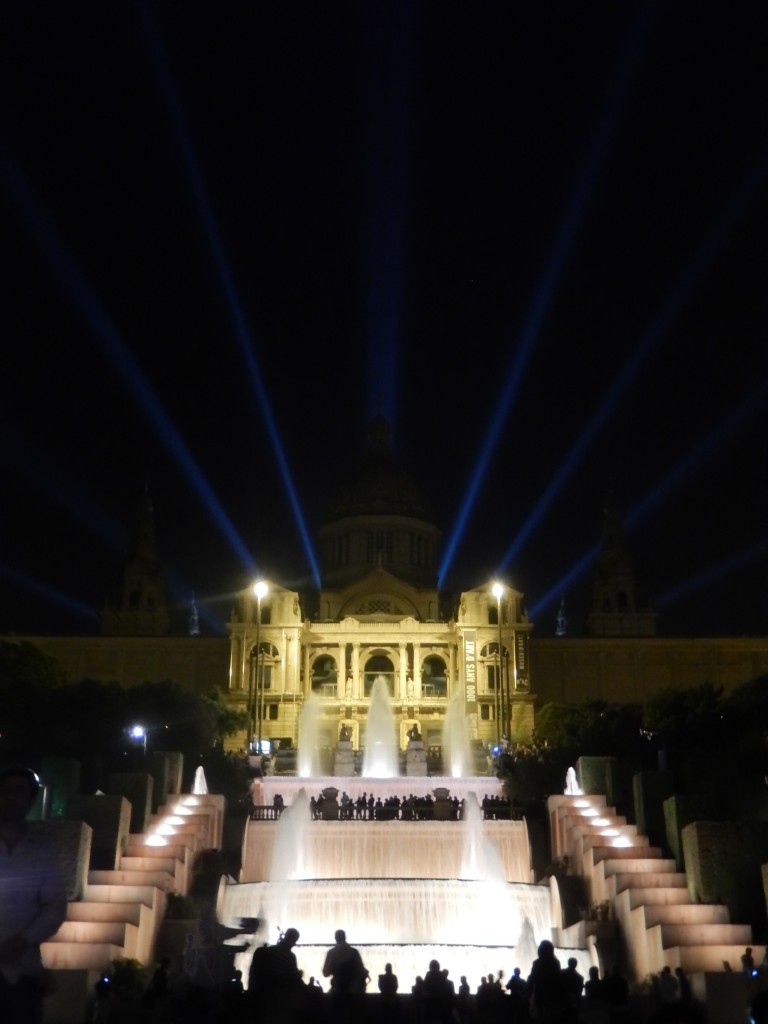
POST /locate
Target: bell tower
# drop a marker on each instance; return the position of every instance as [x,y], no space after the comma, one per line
[143,610]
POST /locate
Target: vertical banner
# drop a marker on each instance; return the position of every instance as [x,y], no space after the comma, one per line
[470,671]
[522,680]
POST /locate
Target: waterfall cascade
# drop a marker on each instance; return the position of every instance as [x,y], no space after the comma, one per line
[405,892]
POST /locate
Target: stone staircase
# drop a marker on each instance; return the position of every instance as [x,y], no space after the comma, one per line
[122,910]
[648,896]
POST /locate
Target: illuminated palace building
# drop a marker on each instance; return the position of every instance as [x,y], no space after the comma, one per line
[379,615]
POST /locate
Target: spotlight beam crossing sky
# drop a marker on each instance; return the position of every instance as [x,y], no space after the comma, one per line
[235,235]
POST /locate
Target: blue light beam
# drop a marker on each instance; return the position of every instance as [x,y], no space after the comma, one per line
[734,562]
[730,424]
[574,573]
[695,269]
[542,299]
[49,593]
[105,332]
[221,263]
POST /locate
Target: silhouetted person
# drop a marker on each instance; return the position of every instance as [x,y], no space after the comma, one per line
[573,984]
[345,967]
[278,989]
[747,962]
[388,986]
[439,995]
[464,998]
[547,999]
[33,901]
[686,996]
[669,987]
[517,992]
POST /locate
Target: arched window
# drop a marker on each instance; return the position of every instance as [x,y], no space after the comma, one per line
[489,658]
[324,675]
[263,666]
[379,665]
[434,677]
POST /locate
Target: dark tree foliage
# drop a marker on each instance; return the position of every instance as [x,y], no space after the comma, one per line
[41,714]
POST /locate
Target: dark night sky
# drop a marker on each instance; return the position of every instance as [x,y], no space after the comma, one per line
[548,217]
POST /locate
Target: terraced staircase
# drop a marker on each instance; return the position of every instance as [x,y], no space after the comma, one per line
[122,910]
[649,897]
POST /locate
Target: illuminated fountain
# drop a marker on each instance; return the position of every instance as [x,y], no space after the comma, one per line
[380,760]
[457,753]
[309,738]
[405,892]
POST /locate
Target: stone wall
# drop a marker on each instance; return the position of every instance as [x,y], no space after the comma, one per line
[723,863]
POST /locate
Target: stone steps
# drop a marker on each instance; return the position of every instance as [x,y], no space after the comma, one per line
[110,892]
[78,956]
[92,910]
[163,880]
[668,880]
[701,934]
[659,923]
[684,913]
[656,896]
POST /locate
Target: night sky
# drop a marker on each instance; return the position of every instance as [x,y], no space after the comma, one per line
[533,235]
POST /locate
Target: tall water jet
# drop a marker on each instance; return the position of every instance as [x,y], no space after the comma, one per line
[457,754]
[291,844]
[380,760]
[199,786]
[309,738]
[481,860]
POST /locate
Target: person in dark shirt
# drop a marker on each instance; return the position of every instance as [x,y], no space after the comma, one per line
[573,983]
[547,996]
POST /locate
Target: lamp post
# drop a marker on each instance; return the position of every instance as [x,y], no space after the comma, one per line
[260,590]
[138,732]
[498,590]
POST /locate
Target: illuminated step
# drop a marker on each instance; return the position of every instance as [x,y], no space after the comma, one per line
[94,911]
[117,933]
[642,852]
[168,864]
[626,879]
[704,934]
[162,879]
[659,896]
[110,892]
[634,865]
[684,914]
[706,957]
[73,956]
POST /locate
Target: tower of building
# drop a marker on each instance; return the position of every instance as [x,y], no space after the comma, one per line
[616,609]
[142,609]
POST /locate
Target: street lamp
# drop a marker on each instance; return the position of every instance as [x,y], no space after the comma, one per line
[138,732]
[498,591]
[260,590]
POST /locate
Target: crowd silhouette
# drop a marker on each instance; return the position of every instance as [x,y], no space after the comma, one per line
[277,992]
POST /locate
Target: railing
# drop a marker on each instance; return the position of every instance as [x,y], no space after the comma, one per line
[418,811]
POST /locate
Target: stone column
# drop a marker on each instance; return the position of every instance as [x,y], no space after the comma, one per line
[234,663]
[356,688]
[416,669]
[307,675]
[403,675]
[341,672]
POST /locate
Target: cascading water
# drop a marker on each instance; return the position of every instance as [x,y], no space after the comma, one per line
[309,738]
[457,753]
[380,760]
[291,846]
[406,892]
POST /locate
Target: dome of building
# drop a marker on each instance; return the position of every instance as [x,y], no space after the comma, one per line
[380,486]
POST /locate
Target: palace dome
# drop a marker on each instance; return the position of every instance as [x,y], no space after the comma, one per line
[380,486]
